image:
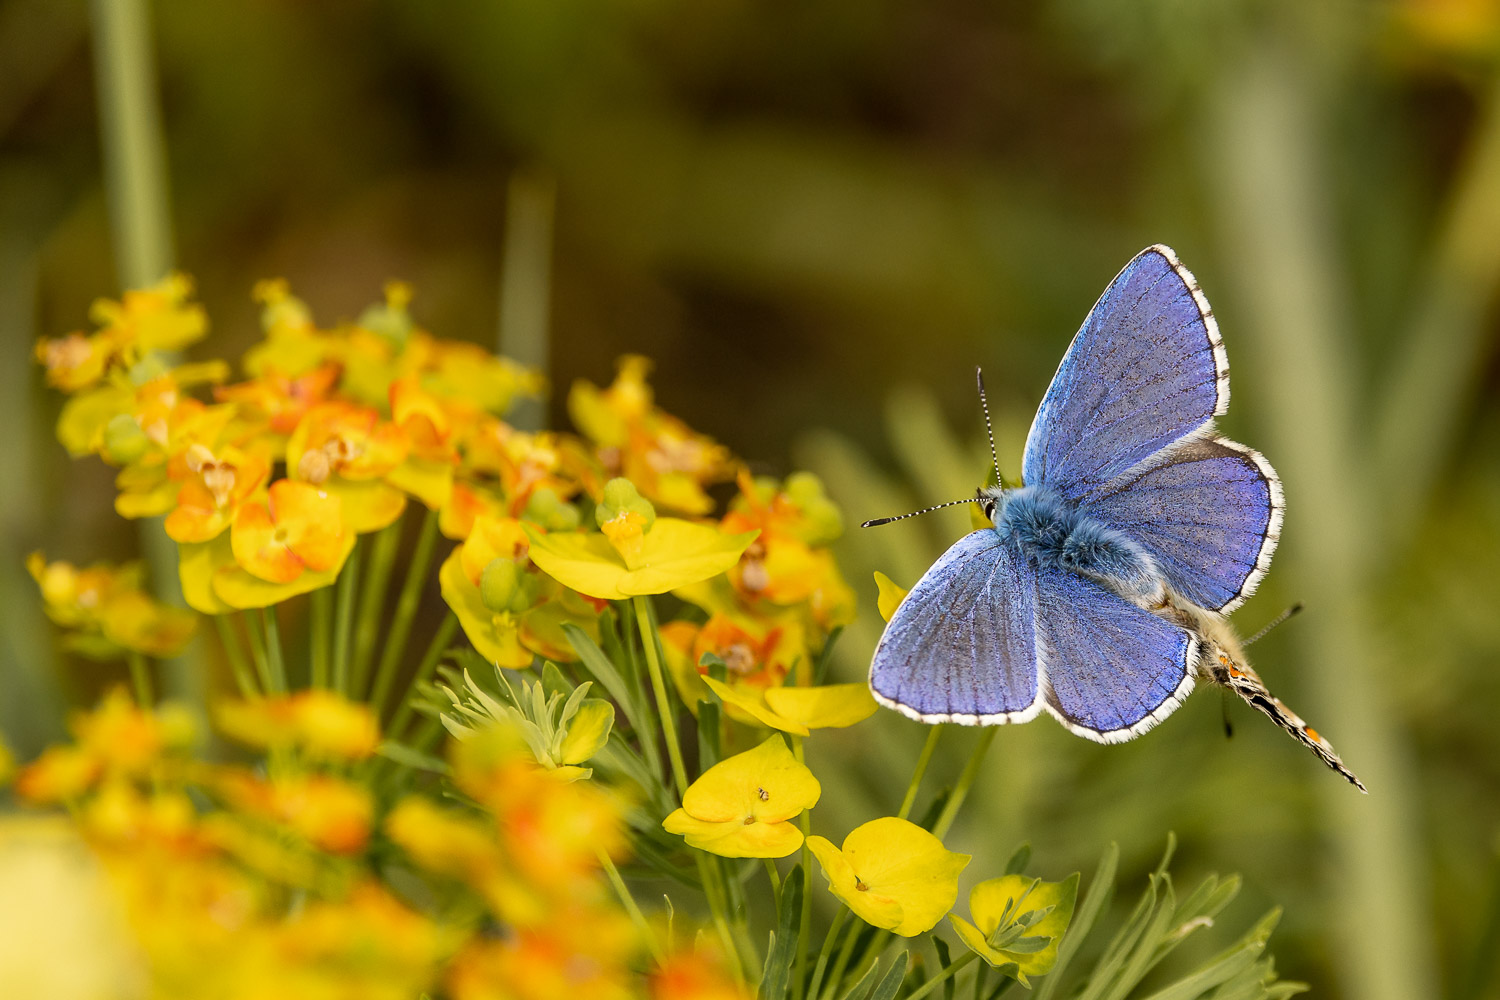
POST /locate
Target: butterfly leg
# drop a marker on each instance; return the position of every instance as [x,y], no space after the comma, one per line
[1217,665]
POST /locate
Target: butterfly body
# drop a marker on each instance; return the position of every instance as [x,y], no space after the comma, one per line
[1099,593]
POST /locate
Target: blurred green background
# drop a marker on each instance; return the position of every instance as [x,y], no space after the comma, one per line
[817,217]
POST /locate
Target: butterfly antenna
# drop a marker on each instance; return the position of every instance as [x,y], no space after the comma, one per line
[1289,612]
[926,510]
[988,429]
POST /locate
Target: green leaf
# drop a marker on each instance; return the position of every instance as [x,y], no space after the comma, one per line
[606,674]
[861,990]
[773,979]
[708,734]
[1101,891]
[410,757]
[892,980]
[944,960]
[1232,962]
[825,655]
[1018,860]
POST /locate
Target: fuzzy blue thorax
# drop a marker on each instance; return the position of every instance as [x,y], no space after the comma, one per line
[1049,531]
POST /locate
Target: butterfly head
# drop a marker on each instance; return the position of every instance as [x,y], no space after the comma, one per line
[990,500]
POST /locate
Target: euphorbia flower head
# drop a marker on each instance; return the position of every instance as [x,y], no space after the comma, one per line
[892,874]
[740,807]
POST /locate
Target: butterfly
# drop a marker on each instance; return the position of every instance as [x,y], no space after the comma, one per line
[1099,592]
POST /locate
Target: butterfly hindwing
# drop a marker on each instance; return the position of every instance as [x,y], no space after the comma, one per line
[1112,670]
[1208,510]
[1146,369]
[961,647]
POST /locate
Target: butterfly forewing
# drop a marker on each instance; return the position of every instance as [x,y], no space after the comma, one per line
[1146,369]
[961,647]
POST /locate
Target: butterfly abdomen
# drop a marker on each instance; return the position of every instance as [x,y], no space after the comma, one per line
[1051,532]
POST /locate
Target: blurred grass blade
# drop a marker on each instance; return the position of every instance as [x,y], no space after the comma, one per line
[773,980]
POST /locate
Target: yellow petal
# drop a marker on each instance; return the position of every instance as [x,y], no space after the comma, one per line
[677,553]
[585,562]
[429,482]
[368,505]
[989,900]
[499,646]
[831,706]
[735,838]
[877,909]
[755,707]
[766,784]
[899,859]
[588,731]
[237,588]
[891,595]
[197,562]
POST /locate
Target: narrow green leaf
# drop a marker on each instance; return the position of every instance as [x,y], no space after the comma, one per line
[1018,860]
[861,990]
[944,960]
[708,734]
[825,655]
[605,673]
[892,980]
[1148,948]
[1101,890]
[773,979]
[1226,965]
[410,757]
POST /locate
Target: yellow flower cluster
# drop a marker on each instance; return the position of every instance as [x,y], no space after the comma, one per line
[106,612]
[238,882]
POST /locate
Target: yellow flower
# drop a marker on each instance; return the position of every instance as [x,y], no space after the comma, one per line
[108,610]
[740,807]
[331,813]
[1020,922]
[662,455]
[891,595]
[321,724]
[298,528]
[636,553]
[347,450]
[893,874]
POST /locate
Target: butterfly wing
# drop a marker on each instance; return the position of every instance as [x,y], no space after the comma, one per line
[1209,510]
[1146,369]
[1110,670]
[962,645]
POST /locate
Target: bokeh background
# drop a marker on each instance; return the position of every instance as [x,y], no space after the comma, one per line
[818,217]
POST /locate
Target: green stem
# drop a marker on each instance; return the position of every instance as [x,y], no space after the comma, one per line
[243,679]
[937,980]
[659,688]
[965,781]
[434,655]
[140,679]
[636,916]
[372,606]
[804,922]
[842,963]
[923,760]
[713,892]
[343,619]
[258,654]
[322,625]
[823,952]
[979,981]
[273,649]
[417,572]
[775,877]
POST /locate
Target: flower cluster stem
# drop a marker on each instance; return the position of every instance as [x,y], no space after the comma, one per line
[417,572]
[954,967]
[258,654]
[321,627]
[826,950]
[243,679]
[804,921]
[923,760]
[965,782]
[628,900]
[140,679]
[343,618]
[372,605]
[659,688]
[274,659]
[435,650]
[842,962]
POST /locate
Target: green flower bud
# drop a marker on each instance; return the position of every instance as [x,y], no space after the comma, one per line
[124,441]
[824,520]
[551,512]
[505,586]
[621,495]
[390,319]
[149,367]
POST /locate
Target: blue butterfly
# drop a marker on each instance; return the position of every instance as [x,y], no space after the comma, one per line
[1099,593]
